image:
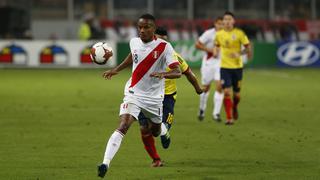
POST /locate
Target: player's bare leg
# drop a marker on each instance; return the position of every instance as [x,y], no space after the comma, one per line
[228,105]
[114,143]
[203,101]
[236,100]
[155,128]
[150,147]
[217,99]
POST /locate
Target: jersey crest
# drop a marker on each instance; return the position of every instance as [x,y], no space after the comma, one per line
[155,54]
[146,63]
[233,37]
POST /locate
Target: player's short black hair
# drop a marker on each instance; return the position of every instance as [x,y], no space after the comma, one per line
[229,13]
[161,31]
[219,18]
[148,16]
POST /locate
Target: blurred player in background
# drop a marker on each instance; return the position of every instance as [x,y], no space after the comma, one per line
[144,91]
[90,29]
[230,40]
[168,106]
[210,71]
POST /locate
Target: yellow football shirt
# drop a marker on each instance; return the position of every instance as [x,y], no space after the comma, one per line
[170,84]
[84,32]
[230,42]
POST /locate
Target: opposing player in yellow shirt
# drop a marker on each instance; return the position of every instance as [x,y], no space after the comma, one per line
[230,41]
[168,106]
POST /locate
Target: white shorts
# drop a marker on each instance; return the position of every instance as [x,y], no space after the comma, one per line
[209,74]
[134,107]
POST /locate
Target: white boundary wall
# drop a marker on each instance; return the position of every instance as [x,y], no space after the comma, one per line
[55,54]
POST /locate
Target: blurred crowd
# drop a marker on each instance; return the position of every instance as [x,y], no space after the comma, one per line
[124,30]
[267,20]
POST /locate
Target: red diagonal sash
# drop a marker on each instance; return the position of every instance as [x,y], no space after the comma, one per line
[146,63]
[209,55]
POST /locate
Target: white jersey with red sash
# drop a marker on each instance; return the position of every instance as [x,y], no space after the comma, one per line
[210,67]
[207,38]
[147,58]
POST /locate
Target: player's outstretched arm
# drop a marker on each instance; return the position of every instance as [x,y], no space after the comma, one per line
[127,62]
[174,73]
[202,47]
[193,80]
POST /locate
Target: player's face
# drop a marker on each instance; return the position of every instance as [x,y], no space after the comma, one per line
[228,21]
[146,29]
[218,25]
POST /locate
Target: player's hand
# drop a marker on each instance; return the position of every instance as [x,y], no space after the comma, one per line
[157,75]
[109,73]
[209,51]
[199,91]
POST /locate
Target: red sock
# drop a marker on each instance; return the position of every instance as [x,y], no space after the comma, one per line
[149,145]
[228,107]
[236,101]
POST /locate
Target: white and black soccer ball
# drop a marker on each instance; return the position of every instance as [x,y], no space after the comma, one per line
[101,52]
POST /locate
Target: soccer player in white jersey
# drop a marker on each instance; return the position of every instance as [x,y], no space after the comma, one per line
[170,97]
[210,71]
[144,91]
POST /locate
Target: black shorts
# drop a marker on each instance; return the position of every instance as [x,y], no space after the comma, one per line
[231,78]
[168,111]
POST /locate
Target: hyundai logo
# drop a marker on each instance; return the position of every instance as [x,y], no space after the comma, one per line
[298,53]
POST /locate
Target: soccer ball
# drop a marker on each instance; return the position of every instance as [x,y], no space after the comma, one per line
[101,52]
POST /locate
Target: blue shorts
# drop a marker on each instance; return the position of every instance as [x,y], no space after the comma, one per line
[231,78]
[168,111]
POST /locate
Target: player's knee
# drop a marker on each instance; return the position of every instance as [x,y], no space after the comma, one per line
[227,93]
[236,90]
[156,133]
[144,130]
[125,122]
[124,127]
[237,94]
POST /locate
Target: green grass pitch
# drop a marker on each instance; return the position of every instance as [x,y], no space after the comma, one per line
[54,124]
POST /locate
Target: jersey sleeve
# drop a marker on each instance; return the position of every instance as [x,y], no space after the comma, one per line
[131,44]
[204,38]
[182,63]
[244,39]
[169,56]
